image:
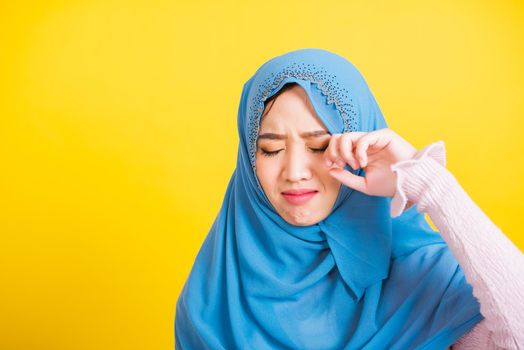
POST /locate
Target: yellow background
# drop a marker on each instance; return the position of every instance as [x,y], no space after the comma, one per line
[118,137]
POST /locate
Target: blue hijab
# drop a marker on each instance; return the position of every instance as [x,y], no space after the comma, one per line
[358,279]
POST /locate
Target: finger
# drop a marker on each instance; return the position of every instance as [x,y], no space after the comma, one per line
[349,179]
[346,150]
[331,154]
[334,151]
[362,146]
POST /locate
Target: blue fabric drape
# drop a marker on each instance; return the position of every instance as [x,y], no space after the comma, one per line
[358,279]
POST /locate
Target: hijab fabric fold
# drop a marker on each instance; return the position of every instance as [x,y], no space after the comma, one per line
[358,279]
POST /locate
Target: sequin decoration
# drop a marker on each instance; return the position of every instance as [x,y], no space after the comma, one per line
[325,82]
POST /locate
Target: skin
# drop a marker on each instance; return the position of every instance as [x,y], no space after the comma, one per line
[317,162]
[296,165]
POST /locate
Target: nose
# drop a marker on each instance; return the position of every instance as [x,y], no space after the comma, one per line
[297,165]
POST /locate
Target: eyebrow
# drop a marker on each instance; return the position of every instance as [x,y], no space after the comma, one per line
[305,135]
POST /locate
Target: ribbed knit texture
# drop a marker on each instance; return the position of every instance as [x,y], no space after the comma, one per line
[492,264]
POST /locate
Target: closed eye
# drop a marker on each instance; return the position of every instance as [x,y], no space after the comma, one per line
[270,153]
[318,150]
[274,153]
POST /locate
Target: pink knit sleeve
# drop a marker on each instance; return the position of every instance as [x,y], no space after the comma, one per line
[492,264]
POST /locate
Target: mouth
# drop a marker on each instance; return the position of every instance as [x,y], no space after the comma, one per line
[298,197]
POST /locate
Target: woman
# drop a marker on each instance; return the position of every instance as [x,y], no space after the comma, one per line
[318,243]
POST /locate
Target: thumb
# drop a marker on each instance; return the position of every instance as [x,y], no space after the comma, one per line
[351,180]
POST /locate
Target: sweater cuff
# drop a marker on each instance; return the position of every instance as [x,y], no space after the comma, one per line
[415,175]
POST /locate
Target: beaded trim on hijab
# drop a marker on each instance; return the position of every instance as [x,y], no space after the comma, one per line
[325,82]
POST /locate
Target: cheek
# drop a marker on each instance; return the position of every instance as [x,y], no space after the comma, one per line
[267,173]
[331,184]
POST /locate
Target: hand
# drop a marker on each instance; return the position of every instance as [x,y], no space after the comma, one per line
[375,152]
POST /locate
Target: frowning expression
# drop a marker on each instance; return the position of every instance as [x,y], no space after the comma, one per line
[289,159]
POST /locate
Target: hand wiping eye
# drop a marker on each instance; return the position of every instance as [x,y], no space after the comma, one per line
[374,152]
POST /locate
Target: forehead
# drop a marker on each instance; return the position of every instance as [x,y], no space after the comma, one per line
[291,109]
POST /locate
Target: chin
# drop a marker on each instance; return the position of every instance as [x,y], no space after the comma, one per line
[301,219]
[303,224]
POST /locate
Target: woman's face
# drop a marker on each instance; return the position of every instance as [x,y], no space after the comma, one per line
[290,148]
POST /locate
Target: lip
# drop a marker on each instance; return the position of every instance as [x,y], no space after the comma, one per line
[299,196]
[299,191]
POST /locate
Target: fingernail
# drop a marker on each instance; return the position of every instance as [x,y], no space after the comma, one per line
[328,162]
[340,163]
